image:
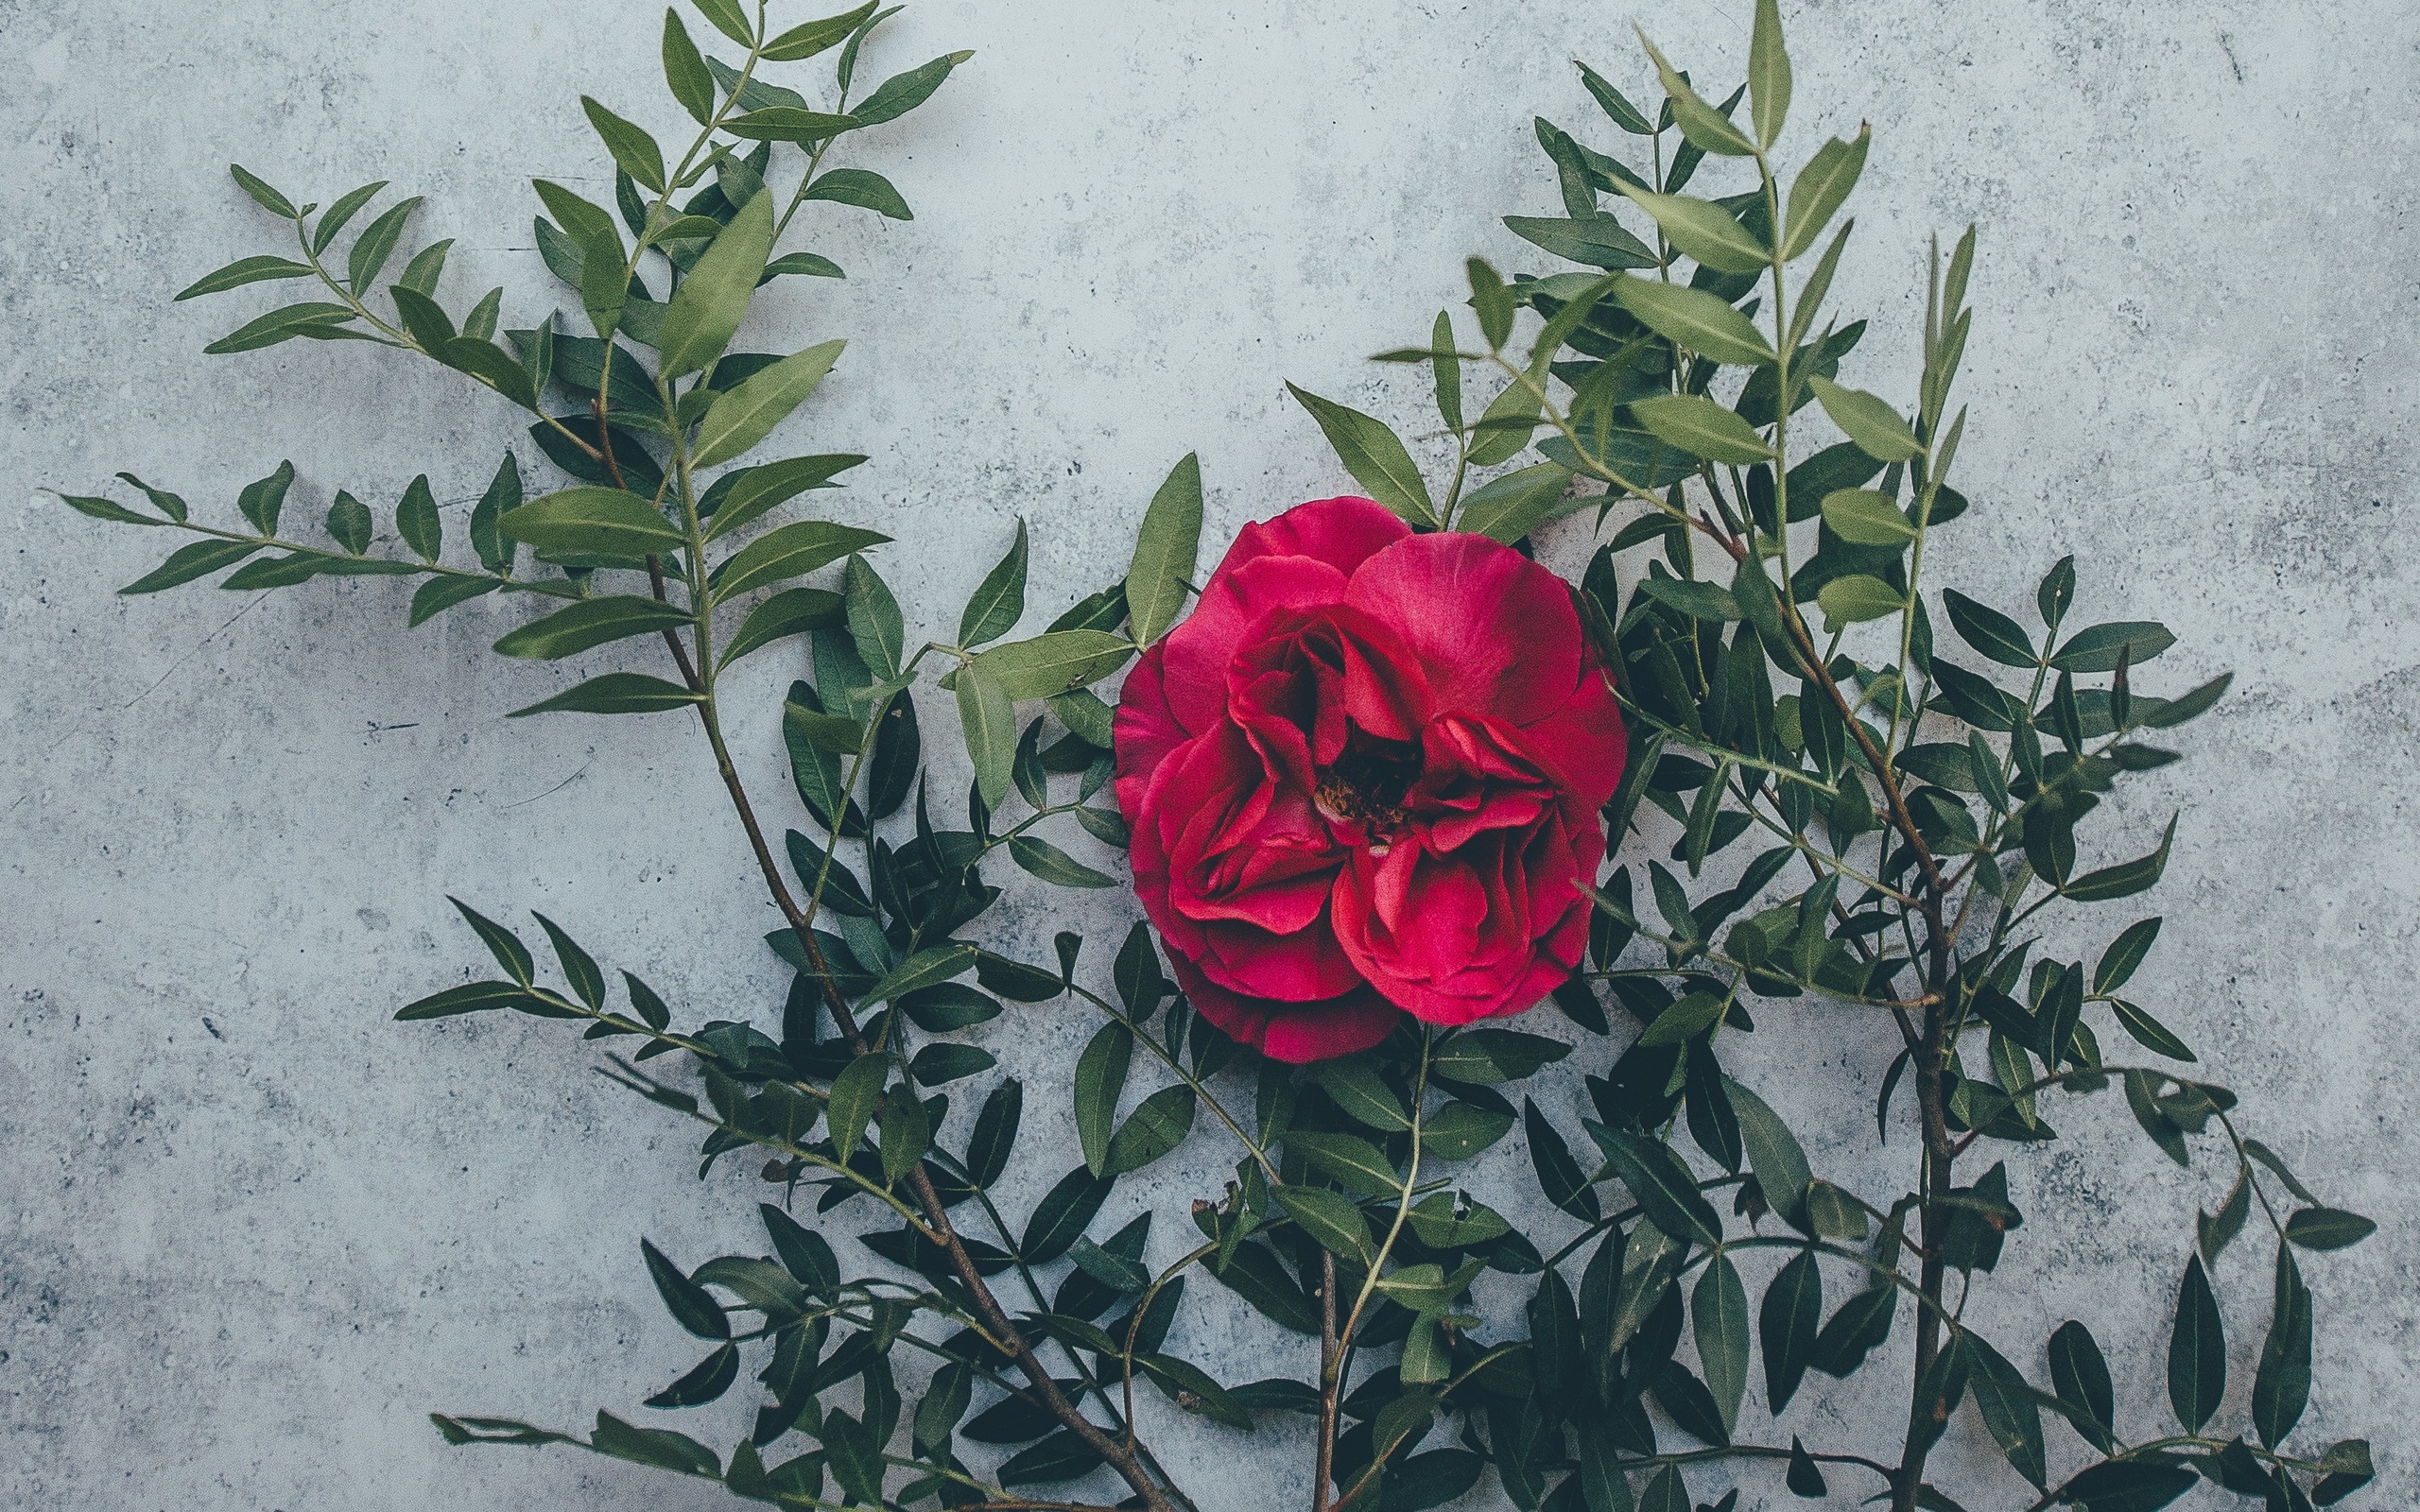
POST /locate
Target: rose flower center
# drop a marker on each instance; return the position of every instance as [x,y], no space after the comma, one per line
[1366,785]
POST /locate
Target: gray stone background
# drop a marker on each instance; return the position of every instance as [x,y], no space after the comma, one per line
[253,1231]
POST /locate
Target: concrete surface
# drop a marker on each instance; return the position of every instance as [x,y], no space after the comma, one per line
[251,1230]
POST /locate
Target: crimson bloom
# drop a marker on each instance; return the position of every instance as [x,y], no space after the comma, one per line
[1364,779]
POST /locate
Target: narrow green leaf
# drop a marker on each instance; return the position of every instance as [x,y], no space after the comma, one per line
[1166,552]
[791,612]
[987,717]
[2197,1351]
[1701,427]
[1101,1076]
[1695,320]
[615,693]
[2281,1384]
[999,599]
[855,1093]
[589,522]
[2127,878]
[1661,1183]
[691,1305]
[1509,507]
[2328,1229]
[1768,74]
[1054,663]
[1863,517]
[2080,1377]
[282,325]
[1773,1154]
[267,197]
[1702,229]
[810,38]
[589,622]
[1374,454]
[1158,1124]
[1857,598]
[1054,866]
[863,188]
[684,70]
[245,271]
[788,123]
[740,417]
[707,308]
[1821,188]
[1787,1323]
[1330,1221]
[1719,1312]
[792,551]
[1869,421]
[633,150]
[198,559]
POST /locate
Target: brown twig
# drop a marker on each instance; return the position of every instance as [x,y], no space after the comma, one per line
[1331,1382]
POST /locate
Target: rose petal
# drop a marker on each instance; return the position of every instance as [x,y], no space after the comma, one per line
[1493,631]
[1295,1033]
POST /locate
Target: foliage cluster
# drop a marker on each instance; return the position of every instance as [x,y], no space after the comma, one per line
[1869,818]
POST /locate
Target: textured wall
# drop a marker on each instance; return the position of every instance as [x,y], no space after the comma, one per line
[251,1230]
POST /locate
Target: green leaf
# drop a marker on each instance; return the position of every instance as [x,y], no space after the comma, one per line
[792,551]
[1707,129]
[2148,1031]
[788,123]
[712,1377]
[740,417]
[863,188]
[267,197]
[987,717]
[1853,599]
[747,493]
[855,1093]
[727,18]
[1330,1221]
[1820,189]
[245,271]
[1704,231]
[2197,1351]
[691,1305]
[876,626]
[707,308]
[1353,1161]
[1054,866]
[1701,427]
[1600,241]
[1665,1493]
[1863,517]
[803,41]
[589,622]
[1158,1124]
[1361,1094]
[1060,1218]
[999,599]
[1511,506]
[2128,1485]
[589,522]
[417,521]
[186,563]
[2080,1377]
[375,246]
[438,594]
[349,523]
[1773,1154]
[1989,631]
[1054,663]
[1374,454]
[1101,1076]
[2097,649]
[282,325]
[1458,1131]
[791,612]
[1695,320]
[926,967]
[1768,74]
[1165,551]
[684,70]
[470,997]
[1698,600]
[1719,1312]
[615,693]
[2125,879]
[635,151]
[2281,1384]
[1869,421]
[900,93]
[2126,953]
[1786,1325]
[2328,1229]
[2191,705]
[1661,1183]
[1486,1058]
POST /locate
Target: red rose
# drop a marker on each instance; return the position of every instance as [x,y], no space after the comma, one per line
[1363,779]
